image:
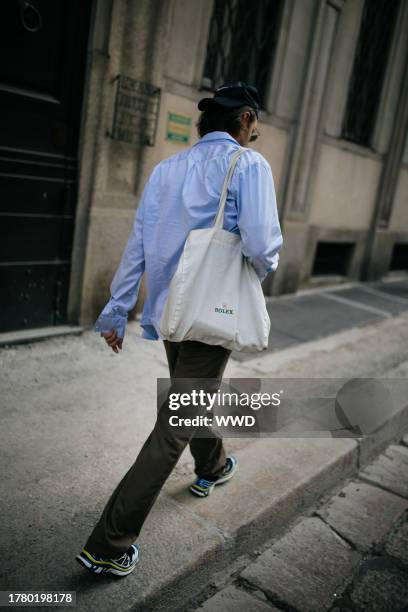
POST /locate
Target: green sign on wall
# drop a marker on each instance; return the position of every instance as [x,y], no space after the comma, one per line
[178,127]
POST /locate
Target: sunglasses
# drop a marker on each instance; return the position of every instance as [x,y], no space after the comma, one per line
[254,135]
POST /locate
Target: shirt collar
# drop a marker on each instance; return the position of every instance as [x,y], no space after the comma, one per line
[217,135]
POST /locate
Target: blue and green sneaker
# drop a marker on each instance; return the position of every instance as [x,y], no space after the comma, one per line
[122,566]
[203,487]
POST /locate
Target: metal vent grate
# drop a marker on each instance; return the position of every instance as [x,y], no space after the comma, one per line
[399,259]
[332,258]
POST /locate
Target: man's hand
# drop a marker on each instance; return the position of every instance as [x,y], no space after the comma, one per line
[112,340]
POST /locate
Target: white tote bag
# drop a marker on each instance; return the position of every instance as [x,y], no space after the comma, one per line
[215,295]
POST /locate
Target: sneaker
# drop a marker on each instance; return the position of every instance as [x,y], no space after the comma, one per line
[203,487]
[122,566]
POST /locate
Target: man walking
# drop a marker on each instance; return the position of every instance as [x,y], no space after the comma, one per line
[182,194]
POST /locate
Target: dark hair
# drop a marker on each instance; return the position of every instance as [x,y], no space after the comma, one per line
[220,118]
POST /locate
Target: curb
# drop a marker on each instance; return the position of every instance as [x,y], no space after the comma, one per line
[267,515]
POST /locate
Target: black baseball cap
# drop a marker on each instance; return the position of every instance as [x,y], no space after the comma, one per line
[233,95]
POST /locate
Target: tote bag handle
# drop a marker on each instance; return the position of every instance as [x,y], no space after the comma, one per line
[218,223]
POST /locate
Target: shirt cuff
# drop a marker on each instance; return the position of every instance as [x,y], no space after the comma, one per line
[261,272]
[115,318]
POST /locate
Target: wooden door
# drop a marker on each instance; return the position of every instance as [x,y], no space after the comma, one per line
[43,56]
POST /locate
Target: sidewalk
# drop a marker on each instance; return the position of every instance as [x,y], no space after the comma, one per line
[77,414]
[316,313]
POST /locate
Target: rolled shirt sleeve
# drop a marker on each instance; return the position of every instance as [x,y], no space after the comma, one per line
[257,218]
[125,284]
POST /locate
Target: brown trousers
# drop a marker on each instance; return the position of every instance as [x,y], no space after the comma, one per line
[127,509]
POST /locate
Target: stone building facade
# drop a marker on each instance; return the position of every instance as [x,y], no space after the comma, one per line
[334,83]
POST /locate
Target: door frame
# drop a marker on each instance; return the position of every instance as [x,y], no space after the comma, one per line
[91,135]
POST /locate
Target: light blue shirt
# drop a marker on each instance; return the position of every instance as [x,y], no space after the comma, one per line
[181,194]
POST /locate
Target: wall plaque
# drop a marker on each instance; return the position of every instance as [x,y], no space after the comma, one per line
[136,111]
